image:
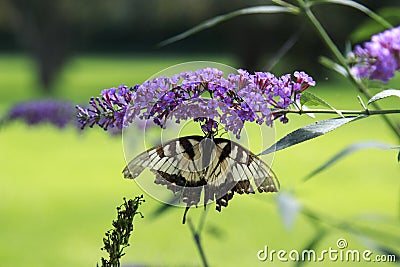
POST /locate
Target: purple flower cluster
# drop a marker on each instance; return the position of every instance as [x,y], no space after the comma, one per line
[56,112]
[379,58]
[203,95]
[107,111]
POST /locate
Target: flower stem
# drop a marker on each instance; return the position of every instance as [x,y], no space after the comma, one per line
[197,240]
[342,61]
[346,112]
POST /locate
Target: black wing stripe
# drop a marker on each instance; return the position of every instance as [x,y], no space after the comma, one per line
[187,147]
[226,151]
[160,152]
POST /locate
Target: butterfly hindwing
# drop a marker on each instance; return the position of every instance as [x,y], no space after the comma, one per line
[242,166]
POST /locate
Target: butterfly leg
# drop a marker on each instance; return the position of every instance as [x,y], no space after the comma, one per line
[184,214]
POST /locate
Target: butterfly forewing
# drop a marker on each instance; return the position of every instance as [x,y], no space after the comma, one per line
[175,155]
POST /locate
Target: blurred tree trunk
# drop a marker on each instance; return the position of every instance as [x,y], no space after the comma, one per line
[42,31]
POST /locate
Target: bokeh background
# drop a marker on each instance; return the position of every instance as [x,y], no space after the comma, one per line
[59,187]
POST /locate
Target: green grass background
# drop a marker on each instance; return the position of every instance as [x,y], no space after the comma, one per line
[59,188]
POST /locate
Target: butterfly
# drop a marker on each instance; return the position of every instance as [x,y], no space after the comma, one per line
[218,167]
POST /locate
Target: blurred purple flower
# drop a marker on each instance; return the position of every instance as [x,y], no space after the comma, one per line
[203,95]
[56,112]
[379,58]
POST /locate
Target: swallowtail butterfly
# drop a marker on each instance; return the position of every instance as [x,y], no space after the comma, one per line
[219,167]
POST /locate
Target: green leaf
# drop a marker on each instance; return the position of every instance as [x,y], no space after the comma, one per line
[306,109]
[384,94]
[312,100]
[348,150]
[289,208]
[359,7]
[164,208]
[372,243]
[312,245]
[328,63]
[369,27]
[309,132]
[390,253]
[218,19]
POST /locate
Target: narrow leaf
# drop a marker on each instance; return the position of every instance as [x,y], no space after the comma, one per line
[371,242]
[369,27]
[309,132]
[165,207]
[289,208]
[348,150]
[311,245]
[328,63]
[391,254]
[305,109]
[359,7]
[284,48]
[218,19]
[313,100]
[384,94]
[361,102]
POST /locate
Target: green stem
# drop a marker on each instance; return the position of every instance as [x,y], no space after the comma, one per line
[197,240]
[342,61]
[345,112]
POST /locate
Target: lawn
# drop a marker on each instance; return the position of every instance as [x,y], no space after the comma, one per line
[59,188]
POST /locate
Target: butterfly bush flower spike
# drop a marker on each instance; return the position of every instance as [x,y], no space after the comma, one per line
[107,111]
[203,95]
[56,112]
[379,58]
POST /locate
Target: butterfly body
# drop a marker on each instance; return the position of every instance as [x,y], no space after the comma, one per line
[217,166]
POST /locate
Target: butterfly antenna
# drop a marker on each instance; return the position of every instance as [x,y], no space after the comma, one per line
[223,133]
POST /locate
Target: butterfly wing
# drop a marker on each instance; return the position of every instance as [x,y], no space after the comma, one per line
[221,167]
[171,158]
[180,164]
[232,172]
